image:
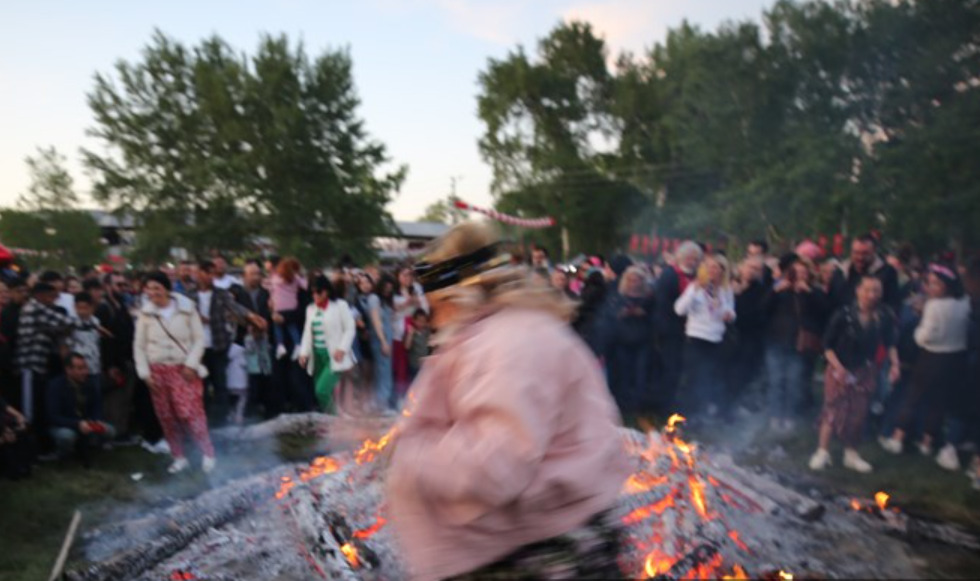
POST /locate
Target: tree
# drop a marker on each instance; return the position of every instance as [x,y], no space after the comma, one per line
[443,211]
[48,220]
[547,123]
[222,148]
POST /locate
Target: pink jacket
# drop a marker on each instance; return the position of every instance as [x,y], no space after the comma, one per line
[513,440]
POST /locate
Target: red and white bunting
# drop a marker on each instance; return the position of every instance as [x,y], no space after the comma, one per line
[545,222]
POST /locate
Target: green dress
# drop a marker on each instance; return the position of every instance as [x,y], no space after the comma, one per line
[324,378]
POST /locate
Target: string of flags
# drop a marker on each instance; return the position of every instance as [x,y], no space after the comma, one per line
[545,222]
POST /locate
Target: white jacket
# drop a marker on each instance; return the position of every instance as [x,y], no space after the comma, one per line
[339,328]
[703,321]
[945,325]
[184,345]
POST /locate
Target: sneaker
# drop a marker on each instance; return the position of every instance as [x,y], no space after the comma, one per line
[207,464]
[162,447]
[924,449]
[890,445]
[855,462]
[280,351]
[948,458]
[179,465]
[820,459]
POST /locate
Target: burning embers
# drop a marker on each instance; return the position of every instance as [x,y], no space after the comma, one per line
[879,507]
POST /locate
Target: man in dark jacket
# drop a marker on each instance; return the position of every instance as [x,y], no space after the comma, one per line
[75,409]
[220,312]
[750,304]
[865,259]
[669,326]
[254,297]
[117,350]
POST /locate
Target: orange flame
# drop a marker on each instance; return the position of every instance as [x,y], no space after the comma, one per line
[285,487]
[738,574]
[733,535]
[370,449]
[350,552]
[697,496]
[642,482]
[784,576]
[377,526]
[657,563]
[672,423]
[881,499]
[855,505]
[645,512]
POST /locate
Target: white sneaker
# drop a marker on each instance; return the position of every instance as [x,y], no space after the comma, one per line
[924,449]
[820,459]
[280,351]
[855,462]
[179,465]
[207,464]
[162,447]
[890,445]
[948,458]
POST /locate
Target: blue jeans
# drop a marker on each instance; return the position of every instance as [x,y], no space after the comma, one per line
[628,365]
[703,359]
[785,368]
[66,438]
[384,381]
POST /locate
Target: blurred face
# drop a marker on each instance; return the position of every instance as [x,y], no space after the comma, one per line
[74,286]
[405,278]
[802,272]
[755,250]
[827,271]
[421,322]
[869,293]
[205,278]
[862,255]
[157,294]
[59,285]
[443,313]
[98,293]
[633,283]
[119,285]
[559,280]
[321,297]
[716,274]
[220,266]
[364,285]
[751,270]
[935,287]
[84,310]
[538,257]
[184,271]
[47,298]
[18,295]
[77,370]
[689,262]
[252,275]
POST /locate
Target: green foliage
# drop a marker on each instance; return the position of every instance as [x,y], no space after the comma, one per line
[47,220]
[443,211]
[830,117]
[213,148]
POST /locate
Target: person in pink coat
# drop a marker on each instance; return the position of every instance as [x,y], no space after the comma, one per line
[510,457]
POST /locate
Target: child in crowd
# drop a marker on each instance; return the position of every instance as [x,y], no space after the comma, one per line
[237,378]
[85,337]
[286,283]
[417,341]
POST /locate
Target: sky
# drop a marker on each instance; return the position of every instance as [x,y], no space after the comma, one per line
[416,64]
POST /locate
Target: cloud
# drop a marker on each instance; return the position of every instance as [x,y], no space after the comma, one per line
[497,22]
[626,25]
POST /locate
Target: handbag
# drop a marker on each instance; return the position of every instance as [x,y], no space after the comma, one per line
[806,341]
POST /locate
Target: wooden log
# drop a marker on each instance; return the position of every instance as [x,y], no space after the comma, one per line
[174,529]
[802,506]
[59,564]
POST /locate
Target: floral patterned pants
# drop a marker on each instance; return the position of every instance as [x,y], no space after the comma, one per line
[179,405]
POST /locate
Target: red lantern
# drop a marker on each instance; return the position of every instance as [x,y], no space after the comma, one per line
[646,244]
[634,243]
[656,244]
[822,242]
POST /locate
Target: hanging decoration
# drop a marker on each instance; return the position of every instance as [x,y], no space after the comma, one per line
[545,222]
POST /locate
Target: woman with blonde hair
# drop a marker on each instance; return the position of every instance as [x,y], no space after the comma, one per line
[510,460]
[709,305]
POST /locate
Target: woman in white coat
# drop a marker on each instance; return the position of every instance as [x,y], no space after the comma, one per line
[328,336]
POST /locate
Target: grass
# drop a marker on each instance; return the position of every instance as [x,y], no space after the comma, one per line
[36,512]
